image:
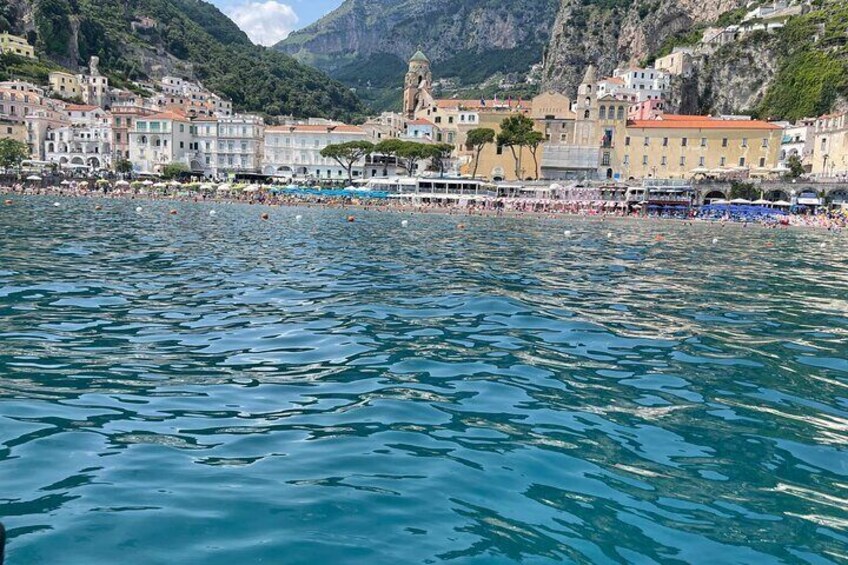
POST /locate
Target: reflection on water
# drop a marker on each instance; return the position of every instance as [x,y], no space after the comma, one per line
[194,389]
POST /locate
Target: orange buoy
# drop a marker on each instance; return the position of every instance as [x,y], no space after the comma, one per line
[173,212]
[98,207]
[265,216]
[460,226]
[351,219]
[7,202]
[660,237]
[769,244]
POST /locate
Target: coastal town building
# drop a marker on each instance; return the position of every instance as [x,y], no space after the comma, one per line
[123,121]
[295,150]
[388,125]
[608,143]
[240,144]
[158,140]
[21,100]
[417,94]
[830,146]
[204,157]
[798,141]
[13,129]
[65,85]
[676,63]
[16,45]
[85,143]
[635,84]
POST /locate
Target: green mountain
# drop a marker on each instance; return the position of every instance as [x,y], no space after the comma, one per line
[475,45]
[188,38]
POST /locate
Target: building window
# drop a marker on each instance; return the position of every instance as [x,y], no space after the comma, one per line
[741,161]
[723,161]
[450,119]
[627,141]
[602,113]
[744,142]
[627,159]
[664,161]
[605,159]
[644,159]
[684,142]
[438,119]
[703,142]
[724,142]
[647,141]
[665,142]
[682,160]
[765,142]
[762,162]
[701,162]
[621,112]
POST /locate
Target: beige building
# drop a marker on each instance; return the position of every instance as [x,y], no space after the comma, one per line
[16,46]
[65,85]
[158,140]
[13,129]
[676,63]
[830,146]
[680,147]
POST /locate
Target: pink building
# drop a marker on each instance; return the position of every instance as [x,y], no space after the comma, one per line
[647,110]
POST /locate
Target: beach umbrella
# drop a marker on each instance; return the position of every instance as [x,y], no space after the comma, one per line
[174,183]
[740,201]
[252,188]
[147,183]
[33,177]
[122,183]
[65,182]
[781,169]
[700,171]
[224,188]
[781,203]
[761,202]
[719,201]
[159,185]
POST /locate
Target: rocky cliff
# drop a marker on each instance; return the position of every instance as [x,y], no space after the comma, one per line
[366,43]
[609,33]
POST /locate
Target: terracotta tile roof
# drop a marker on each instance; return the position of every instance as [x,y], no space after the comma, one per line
[613,80]
[316,129]
[420,122]
[81,108]
[168,115]
[489,104]
[671,121]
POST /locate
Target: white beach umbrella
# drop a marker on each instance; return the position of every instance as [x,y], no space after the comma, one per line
[740,201]
[33,177]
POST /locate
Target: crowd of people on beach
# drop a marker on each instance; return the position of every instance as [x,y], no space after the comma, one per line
[832,220]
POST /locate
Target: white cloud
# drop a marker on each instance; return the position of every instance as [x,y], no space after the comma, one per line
[266,22]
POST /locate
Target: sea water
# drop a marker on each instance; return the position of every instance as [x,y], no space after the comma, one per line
[219,389]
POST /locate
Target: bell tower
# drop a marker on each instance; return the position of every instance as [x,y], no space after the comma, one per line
[416,90]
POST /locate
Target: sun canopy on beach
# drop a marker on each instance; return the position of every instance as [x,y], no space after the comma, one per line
[740,201]
[33,177]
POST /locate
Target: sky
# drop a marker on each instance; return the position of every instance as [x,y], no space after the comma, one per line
[268,21]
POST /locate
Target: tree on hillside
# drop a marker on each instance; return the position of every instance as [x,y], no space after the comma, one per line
[123,166]
[533,140]
[174,170]
[388,148]
[12,152]
[348,154]
[410,153]
[439,155]
[744,190]
[514,134]
[796,167]
[476,140]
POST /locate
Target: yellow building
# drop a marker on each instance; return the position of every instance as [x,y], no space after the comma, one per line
[830,147]
[684,146]
[13,129]
[16,45]
[65,85]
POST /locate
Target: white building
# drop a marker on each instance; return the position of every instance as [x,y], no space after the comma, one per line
[388,125]
[240,144]
[160,139]
[638,84]
[798,140]
[86,143]
[295,151]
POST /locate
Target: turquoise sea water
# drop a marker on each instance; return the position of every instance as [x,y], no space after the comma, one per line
[196,389]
